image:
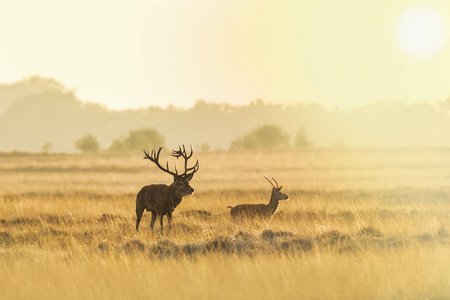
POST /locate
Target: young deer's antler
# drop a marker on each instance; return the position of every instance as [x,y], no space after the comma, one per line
[275,187]
[270,182]
[275,182]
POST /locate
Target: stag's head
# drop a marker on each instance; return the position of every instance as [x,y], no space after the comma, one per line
[180,181]
[276,191]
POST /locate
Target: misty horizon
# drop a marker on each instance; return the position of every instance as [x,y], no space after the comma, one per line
[39,112]
[168,106]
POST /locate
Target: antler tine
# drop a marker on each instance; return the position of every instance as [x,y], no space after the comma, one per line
[192,152]
[145,154]
[181,152]
[270,182]
[154,157]
[167,166]
[156,154]
[275,181]
[195,167]
[150,156]
[177,153]
[185,159]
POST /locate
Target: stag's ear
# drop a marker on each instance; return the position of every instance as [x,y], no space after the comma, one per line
[189,177]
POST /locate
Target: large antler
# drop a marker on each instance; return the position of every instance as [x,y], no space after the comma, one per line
[181,152]
[154,157]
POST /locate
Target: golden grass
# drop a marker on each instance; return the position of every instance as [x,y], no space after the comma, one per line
[394,274]
[360,224]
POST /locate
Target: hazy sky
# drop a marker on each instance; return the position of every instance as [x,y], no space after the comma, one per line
[138,53]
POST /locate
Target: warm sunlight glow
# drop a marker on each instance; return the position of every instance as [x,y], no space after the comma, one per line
[421,31]
[161,53]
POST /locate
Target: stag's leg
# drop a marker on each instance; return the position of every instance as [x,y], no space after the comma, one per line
[139,212]
[169,219]
[152,222]
[162,223]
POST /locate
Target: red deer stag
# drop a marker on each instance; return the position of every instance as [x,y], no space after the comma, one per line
[260,210]
[162,199]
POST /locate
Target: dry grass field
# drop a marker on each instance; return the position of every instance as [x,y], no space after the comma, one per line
[360,224]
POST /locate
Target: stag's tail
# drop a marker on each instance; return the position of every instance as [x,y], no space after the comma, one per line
[139,211]
[229,206]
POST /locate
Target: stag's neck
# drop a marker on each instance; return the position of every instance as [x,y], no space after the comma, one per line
[174,199]
[273,204]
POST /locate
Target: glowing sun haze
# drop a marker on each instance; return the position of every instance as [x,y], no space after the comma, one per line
[128,54]
[421,31]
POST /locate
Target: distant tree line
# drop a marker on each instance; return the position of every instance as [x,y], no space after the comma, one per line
[40,114]
[138,139]
[262,137]
[269,137]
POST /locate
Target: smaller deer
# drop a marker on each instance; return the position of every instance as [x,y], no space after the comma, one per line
[260,210]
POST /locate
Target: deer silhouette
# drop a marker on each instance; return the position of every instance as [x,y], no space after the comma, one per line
[162,199]
[260,210]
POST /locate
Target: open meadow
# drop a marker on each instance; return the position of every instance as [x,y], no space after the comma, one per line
[360,224]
